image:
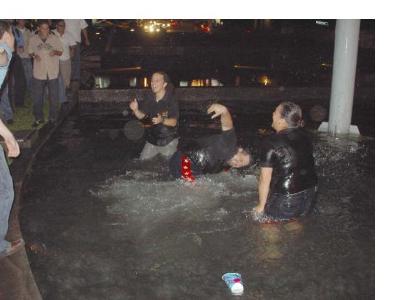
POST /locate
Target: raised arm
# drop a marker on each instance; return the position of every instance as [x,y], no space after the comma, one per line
[263,188]
[221,110]
[134,106]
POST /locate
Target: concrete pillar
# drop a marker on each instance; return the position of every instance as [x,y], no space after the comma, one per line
[343,78]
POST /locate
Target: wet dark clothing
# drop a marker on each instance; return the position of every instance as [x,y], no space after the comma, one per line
[293,182]
[207,155]
[167,107]
[287,207]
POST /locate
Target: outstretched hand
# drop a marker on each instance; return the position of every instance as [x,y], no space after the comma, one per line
[134,105]
[217,110]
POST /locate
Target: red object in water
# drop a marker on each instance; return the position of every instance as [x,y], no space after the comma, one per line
[186,169]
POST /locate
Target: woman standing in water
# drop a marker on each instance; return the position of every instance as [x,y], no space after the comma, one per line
[288,183]
[163,111]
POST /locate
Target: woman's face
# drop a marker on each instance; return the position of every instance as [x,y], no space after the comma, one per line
[276,117]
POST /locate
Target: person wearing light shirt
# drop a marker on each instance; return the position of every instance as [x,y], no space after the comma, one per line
[23,53]
[65,59]
[45,48]
[76,27]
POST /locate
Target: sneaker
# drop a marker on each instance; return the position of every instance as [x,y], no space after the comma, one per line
[37,123]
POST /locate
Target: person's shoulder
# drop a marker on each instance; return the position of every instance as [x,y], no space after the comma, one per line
[271,140]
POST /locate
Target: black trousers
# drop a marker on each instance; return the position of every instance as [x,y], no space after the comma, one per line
[17,88]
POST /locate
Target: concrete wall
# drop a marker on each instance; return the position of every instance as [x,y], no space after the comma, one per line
[206,94]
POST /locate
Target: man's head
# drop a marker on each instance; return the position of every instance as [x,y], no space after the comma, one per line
[6,35]
[4,27]
[60,26]
[287,115]
[160,82]
[43,28]
[20,23]
[241,159]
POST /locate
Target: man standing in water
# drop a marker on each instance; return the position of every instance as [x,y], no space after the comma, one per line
[163,111]
[211,154]
[288,182]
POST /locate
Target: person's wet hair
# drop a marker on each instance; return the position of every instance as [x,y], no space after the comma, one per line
[292,114]
[4,26]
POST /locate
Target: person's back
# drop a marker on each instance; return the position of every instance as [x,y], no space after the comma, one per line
[287,184]
[293,161]
[210,154]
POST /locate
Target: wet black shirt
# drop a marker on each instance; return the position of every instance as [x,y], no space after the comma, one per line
[210,154]
[290,154]
[160,135]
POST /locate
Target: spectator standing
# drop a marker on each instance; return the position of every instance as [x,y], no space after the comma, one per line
[46,49]
[17,82]
[69,44]
[75,27]
[22,51]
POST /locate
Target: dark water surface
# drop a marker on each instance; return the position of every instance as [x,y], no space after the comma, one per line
[103,225]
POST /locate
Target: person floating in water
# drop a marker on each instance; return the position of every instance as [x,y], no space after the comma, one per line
[288,183]
[211,154]
[162,110]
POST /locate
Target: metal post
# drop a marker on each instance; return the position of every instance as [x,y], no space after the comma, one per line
[343,78]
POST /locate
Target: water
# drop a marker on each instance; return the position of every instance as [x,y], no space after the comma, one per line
[112,227]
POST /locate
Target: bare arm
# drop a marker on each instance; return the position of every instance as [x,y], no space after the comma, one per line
[12,145]
[220,110]
[85,35]
[263,188]
[135,109]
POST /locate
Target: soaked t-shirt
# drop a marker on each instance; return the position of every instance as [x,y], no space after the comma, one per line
[290,154]
[167,107]
[210,154]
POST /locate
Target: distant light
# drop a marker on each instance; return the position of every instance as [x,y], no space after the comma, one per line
[322,23]
[97,33]
[158,29]
[183,83]
[145,82]
[248,67]
[133,82]
[132,30]
[264,80]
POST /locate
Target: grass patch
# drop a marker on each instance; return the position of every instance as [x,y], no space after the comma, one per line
[23,116]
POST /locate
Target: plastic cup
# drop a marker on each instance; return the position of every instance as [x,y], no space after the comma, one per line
[234,283]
